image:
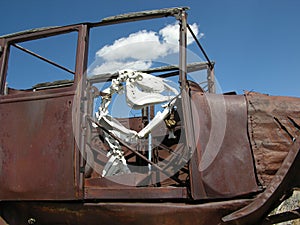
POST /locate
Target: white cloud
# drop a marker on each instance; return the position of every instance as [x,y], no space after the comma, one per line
[132,47]
[112,66]
[138,50]
[170,33]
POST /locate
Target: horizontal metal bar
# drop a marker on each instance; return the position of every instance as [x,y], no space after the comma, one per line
[54,84]
[123,18]
[25,32]
[38,33]
[55,93]
[192,67]
[143,15]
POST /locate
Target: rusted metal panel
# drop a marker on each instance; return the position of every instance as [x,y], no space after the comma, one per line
[286,178]
[37,148]
[224,163]
[138,193]
[116,213]
[273,126]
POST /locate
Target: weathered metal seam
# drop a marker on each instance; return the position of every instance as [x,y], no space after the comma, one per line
[36,97]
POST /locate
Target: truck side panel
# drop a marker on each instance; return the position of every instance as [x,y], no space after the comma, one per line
[37,148]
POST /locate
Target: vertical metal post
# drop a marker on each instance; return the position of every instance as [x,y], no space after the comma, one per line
[4,54]
[150,117]
[186,106]
[149,149]
[211,80]
[147,115]
[182,50]
[80,80]
[197,188]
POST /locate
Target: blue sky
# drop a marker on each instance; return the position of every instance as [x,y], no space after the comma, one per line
[255,44]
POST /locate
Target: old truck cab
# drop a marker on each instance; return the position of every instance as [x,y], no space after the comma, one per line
[183,153]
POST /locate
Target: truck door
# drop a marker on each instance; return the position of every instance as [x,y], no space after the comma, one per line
[38,157]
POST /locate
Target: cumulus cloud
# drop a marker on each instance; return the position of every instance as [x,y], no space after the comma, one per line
[143,45]
[138,50]
[170,33]
[113,66]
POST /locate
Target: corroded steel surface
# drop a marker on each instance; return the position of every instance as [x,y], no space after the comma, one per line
[37,148]
[286,178]
[75,213]
[224,159]
[274,124]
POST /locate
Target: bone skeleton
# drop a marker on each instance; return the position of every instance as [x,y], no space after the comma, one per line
[141,90]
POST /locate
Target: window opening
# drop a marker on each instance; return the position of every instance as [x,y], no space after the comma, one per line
[156,158]
[41,64]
